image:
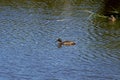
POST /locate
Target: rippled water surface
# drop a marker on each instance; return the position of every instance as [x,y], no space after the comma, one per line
[28,47]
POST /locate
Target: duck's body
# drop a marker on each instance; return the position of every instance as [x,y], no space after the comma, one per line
[66,43]
[112,18]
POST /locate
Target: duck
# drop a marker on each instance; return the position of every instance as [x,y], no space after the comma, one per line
[66,43]
[112,18]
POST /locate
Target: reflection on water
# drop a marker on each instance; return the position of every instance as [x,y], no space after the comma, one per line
[28,34]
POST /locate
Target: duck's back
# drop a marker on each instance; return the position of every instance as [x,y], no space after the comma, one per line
[68,43]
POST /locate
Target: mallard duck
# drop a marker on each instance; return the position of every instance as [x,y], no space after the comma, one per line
[66,43]
[112,18]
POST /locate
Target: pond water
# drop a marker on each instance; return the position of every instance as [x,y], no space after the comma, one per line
[28,47]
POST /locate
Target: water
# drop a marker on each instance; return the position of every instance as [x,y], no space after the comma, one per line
[28,47]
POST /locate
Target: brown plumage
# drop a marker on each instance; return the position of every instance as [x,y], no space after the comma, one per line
[66,43]
[112,18]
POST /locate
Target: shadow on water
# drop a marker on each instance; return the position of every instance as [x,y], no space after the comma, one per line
[28,34]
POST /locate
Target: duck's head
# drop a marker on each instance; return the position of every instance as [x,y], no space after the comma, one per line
[59,40]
